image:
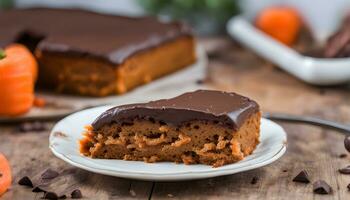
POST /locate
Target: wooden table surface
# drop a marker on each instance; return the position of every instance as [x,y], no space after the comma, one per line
[233,69]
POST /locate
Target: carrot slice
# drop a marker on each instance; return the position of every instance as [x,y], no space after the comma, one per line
[5,175]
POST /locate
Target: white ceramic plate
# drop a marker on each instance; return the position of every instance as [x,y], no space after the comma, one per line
[171,85]
[317,71]
[273,145]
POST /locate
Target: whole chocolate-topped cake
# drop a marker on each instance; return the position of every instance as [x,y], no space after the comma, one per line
[209,127]
[88,53]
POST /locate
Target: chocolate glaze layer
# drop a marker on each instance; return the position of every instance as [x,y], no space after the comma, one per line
[84,33]
[229,109]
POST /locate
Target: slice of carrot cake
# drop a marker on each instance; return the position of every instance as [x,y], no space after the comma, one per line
[208,127]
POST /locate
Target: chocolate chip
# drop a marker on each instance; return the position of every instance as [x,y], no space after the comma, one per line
[0,174]
[345,170]
[254,180]
[321,187]
[76,194]
[302,177]
[37,189]
[347,143]
[50,195]
[25,181]
[348,186]
[49,174]
[343,155]
[200,81]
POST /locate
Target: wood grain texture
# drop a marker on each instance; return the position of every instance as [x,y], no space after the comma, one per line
[233,69]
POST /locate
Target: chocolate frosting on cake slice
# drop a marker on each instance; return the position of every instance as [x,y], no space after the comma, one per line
[229,109]
[111,38]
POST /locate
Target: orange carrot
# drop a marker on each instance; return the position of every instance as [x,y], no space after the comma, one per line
[281,23]
[27,58]
[5,175]
[18,71]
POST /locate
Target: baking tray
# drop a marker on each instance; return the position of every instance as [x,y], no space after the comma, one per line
[317,71]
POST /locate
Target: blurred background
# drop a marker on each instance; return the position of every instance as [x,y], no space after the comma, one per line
[302,27]
[207,16]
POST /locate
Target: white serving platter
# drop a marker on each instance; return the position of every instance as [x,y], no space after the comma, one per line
[317,71]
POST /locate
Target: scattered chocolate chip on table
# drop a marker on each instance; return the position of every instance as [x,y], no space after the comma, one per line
[302,177]
[347,143]
[321,187]
[345,170]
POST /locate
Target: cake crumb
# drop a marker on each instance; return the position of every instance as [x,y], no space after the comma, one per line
[187,159]
[170,195]
[39,102]
[183,139]
[164,128]
[88,128]
[59,134]
[208,147]
[132,192]
[151,159]
[221,143]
